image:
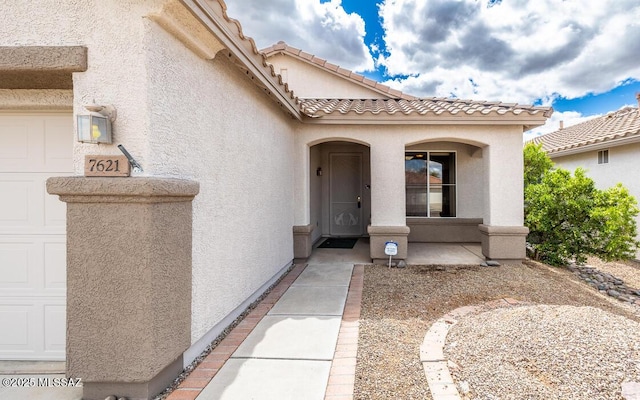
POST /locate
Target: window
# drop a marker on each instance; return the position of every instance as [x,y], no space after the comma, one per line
[603,157]
[430,181]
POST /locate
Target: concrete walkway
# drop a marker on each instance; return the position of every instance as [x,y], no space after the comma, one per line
[289,353]
[299,343]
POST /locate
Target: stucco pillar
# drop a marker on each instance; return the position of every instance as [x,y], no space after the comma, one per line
[503,235]
[302,243]
[388,205]
[128,282]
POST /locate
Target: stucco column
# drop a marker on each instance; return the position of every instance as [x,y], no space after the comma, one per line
[302,229]
[503,235]
[128,282]
[388,204]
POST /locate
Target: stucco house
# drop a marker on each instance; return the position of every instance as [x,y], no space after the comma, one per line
[607,147]
[248,158]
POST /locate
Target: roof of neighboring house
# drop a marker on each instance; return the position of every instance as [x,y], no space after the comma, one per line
[283,48]
[615,128]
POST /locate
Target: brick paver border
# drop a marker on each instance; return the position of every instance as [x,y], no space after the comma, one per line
[432,356]
[342,376]
[196,381]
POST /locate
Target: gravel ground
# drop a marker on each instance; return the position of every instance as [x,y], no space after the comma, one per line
[545,352]
[399,305]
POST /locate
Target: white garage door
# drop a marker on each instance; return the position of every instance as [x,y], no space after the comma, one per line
[33,147]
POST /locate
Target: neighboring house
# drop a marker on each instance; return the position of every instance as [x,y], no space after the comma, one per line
[249,158]
[607,147]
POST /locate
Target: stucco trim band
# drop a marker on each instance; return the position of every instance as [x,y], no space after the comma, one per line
[444,230]
[504,243]
[36,99]
[122,190]
[129,281]
[40,67]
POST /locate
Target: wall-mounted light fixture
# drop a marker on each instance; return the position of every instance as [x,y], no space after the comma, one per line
[95,127]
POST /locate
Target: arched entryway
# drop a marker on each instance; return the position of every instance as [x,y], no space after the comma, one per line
[339,189]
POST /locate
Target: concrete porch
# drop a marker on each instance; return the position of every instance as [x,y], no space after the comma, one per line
[418,253]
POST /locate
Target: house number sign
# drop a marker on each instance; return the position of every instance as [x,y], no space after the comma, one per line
[99,165]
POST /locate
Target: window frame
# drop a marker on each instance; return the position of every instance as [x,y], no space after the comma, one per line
[454,185]
[603,156]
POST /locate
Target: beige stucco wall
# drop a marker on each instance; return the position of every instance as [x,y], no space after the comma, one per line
[309,81]
[200,130]
[622,168]
[494,189]
[182,116]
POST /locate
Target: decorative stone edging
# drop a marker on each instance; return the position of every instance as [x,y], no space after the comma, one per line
[606,283]
[432,357]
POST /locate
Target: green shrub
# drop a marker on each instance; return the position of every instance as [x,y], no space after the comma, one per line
[569,218]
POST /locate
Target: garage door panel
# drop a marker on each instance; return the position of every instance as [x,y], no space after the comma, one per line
[58,145]
[54,328]
[18,317]
[24,341]
[33,265]
[15,265]
[33,148]
[17,200]
[27,208]
[14,144]
[55,265]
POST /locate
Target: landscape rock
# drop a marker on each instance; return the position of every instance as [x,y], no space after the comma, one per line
[606,283]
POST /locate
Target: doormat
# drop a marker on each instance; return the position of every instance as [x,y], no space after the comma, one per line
[338,243]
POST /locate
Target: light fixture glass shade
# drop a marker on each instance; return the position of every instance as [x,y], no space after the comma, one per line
[94,128]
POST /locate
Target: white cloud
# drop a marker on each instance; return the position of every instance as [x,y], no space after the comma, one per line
[322,29]
[514,51]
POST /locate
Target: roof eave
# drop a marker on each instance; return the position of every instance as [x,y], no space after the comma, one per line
[528,122]
[244,49]
[599,145]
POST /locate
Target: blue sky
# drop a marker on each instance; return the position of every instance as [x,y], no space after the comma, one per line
[583,59]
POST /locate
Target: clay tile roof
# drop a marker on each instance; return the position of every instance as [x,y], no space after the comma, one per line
[434,106]
[282,47]
[617,125]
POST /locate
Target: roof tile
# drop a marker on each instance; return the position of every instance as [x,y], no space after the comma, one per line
[615,125]
[282,47]
[434,105]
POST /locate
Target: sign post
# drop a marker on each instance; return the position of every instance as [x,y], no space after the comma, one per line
[390,249]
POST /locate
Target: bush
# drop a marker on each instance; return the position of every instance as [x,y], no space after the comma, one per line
[569,218]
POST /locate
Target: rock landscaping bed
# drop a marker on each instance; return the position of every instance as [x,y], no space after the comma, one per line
[399,305]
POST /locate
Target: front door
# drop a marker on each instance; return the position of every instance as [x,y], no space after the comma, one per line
[345,194]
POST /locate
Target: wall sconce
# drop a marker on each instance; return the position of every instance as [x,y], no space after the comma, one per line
[95,127]
[319,171]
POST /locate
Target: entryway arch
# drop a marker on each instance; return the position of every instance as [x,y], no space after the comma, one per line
[339,188]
